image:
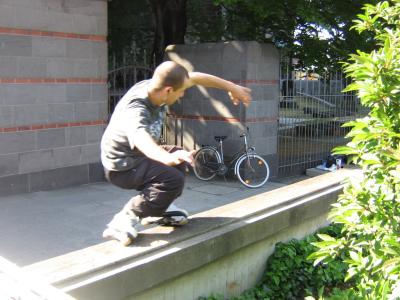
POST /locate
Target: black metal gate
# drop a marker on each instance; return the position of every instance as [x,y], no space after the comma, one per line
[123,75]
[121,79]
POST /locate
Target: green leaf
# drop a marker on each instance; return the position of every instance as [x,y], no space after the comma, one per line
[394,262]
[350,274]
[345,150]
[354,256]
[326,237]
[370,158]
[320,259]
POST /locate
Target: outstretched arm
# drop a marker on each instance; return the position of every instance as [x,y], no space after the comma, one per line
[236,92]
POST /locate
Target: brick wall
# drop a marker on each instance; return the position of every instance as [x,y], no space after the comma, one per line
[202,114]
[53,92]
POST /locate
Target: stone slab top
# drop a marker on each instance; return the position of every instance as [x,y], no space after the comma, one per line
[161,240]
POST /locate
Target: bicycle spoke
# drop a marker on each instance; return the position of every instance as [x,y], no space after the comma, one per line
[206,163]
[253,171]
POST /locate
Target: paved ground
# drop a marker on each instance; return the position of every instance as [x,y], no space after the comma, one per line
[41,225]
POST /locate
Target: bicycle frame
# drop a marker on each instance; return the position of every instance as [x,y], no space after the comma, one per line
[244,151]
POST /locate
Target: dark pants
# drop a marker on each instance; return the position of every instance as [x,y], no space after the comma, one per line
[159,185]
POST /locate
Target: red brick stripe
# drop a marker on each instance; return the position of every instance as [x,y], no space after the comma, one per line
[262,120]
[65,35]
[51,125]
[224,119]
[103,122]
[41,80]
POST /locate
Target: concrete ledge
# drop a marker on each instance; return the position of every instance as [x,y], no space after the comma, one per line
[163,254]
[312,172]
[16,285]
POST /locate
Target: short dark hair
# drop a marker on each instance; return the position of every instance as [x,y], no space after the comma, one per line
[171,74]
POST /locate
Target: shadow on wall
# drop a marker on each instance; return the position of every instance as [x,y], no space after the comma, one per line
[204,113]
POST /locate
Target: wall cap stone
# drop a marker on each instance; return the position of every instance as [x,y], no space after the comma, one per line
[164,253]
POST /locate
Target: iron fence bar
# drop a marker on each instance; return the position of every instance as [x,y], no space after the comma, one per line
[312,109]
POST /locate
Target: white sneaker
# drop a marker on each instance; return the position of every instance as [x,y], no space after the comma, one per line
[122,227]
[173,216]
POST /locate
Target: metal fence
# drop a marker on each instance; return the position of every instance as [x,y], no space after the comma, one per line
[312,110]
[123,74]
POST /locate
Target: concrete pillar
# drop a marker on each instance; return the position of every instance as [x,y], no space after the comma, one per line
[53,92]
[202,114]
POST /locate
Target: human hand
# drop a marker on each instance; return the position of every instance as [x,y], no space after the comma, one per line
[181,156]
[240,93]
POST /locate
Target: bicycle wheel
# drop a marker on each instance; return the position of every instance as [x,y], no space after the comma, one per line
[206,163]
[252,170]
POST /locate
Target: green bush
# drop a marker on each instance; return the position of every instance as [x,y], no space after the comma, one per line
[369,208]
[290,275]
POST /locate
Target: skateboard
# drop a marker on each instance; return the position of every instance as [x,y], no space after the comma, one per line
[175,218]
[168,219]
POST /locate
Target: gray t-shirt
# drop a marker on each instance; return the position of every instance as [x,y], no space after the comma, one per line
[133,113]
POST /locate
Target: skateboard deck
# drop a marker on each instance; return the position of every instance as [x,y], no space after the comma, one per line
[165,221]
[126,238]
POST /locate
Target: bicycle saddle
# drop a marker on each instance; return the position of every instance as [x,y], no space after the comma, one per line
[220,137]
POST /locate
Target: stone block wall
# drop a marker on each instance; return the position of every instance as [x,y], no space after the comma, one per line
[53,92]
[204,113]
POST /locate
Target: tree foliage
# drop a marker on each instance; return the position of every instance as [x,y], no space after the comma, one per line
[369,208]
[317,32]
[145,28]
[205,22]
[170,25]
[130,28]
